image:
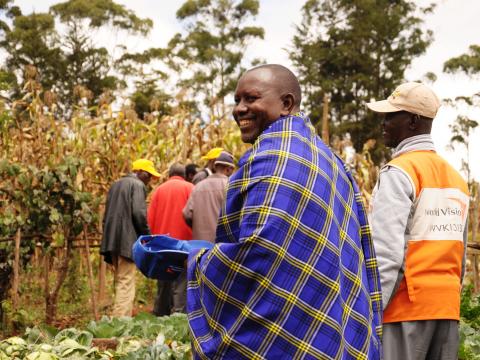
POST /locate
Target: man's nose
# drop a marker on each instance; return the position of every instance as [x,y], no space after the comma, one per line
[239,108]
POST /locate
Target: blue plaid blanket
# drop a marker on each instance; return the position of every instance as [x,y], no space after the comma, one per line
[293,274]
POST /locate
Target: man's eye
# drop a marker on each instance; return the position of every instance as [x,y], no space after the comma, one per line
[250,98]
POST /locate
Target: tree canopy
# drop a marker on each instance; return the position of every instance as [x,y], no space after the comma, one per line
[355,51]
[61,44]
[464,126]
[468,63]
[208,56]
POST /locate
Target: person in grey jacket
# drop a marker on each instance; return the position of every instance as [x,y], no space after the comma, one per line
[124,221]
[203,206]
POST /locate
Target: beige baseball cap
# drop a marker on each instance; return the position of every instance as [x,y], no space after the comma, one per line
[413,97]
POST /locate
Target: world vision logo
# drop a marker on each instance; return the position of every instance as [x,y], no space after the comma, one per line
[463,206]
[395,94]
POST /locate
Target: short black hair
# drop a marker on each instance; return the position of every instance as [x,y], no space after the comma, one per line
[191,169]
[176,169]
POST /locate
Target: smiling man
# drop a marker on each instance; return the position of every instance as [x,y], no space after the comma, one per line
[418,216]
[293,271]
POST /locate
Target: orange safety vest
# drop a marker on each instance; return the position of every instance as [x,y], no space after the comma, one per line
[430,288]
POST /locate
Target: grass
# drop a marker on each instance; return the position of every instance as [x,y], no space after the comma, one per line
[74,305]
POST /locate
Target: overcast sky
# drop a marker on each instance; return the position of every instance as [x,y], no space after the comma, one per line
[455,24]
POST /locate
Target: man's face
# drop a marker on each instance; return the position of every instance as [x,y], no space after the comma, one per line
[211,164]
[229,171]
[144,176]
[258,103]
[395,128]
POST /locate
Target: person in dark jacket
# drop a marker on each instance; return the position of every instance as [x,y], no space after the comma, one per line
[190,172]
[211,156]
[124,221]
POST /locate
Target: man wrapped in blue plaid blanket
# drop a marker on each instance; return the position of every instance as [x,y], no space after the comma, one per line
[293,273]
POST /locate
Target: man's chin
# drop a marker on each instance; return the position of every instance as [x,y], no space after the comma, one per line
[249,138]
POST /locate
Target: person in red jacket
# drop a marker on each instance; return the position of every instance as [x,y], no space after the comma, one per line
[165,217]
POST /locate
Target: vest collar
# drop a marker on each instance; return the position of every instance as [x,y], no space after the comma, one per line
[414,143]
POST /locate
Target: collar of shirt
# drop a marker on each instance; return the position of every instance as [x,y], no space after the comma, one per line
[414,143]
[217,175]
[275,126]
[176,177]
[134,176]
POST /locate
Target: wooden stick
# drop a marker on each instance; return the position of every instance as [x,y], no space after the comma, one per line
[102,281]
[474,227]
[475,273]
[46,277]
[16,270]
[325,133]
[90,275]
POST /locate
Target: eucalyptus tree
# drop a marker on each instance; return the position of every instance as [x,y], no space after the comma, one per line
[464,126]
[355,51]
[65,46]
[207,57]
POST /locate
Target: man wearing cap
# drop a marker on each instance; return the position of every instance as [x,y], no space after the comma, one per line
[211,156]
[418,215]
[123,222]
[292,274]
[165,217]
[203,206]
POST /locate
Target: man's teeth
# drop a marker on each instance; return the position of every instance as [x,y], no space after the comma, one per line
[244,122]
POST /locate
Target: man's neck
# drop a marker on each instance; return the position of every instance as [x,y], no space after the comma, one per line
[414,143]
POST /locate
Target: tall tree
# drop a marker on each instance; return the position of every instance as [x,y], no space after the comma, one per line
[464,126]
[70,54]
[88,64]
[149,82]
[462,131]
[468,63]
[34,41]
[149,98]
[208,56]
[355,51]
[8,11]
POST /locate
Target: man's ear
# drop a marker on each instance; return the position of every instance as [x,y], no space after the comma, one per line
[414,122]
[288,102]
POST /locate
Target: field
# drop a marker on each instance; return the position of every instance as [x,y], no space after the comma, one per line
[54,177]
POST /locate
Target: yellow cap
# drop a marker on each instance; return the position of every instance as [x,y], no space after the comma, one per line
[213,154]
[145,165]
[413,97]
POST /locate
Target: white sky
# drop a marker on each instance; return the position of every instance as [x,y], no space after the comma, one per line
[455,24]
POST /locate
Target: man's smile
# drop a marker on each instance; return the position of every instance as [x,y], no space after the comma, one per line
[244,123]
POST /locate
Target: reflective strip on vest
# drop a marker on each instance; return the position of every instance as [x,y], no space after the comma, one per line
[430,288]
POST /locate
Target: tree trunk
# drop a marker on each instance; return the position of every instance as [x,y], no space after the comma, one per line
[90,274]
[474,227]
[325,134]
[102,282]
[5,277]
[16,270]
[475,215]
[51,299]
[475,273]
[46,278]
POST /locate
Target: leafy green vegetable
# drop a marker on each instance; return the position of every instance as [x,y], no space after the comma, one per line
[469,325]
[143,337]
[469,343]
